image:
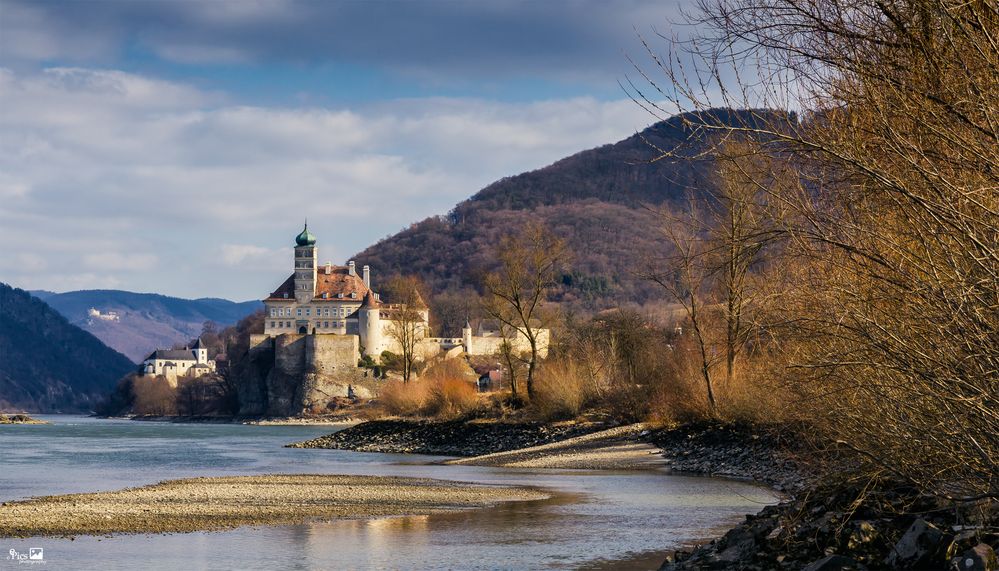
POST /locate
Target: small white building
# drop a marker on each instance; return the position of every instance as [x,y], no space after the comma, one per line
[174,363]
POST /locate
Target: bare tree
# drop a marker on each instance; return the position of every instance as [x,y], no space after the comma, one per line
[407,319]
[891,325]
[517,289]
[684,279]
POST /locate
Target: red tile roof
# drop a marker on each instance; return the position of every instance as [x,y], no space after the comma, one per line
[338,281]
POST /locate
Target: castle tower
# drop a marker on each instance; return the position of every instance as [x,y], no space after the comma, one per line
[306,257]
[200,352]
[466,336]
[369,325]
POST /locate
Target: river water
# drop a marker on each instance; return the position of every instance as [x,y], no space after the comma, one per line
[597,519]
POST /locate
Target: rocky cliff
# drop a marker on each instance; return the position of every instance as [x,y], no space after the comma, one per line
[292,375]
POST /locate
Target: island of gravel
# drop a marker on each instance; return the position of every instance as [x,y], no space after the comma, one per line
[19,419]
[219,503]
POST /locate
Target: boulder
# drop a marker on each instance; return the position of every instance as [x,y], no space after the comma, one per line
[917,548]
[979,558]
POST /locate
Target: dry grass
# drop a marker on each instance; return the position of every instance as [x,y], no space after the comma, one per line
[562,390]
[754,394]
[444,391]
[451,398]
[403,399]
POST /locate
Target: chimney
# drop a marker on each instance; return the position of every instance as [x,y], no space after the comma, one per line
[329,268]
[366,272]
[350,268]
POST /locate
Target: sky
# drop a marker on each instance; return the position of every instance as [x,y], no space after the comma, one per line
[177,147]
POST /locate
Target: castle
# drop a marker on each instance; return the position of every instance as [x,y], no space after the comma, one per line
[320,322]
[173,363]
[335,300]
[320,300]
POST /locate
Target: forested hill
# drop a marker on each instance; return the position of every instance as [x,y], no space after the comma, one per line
[597,199]
[144,321]
[48,364]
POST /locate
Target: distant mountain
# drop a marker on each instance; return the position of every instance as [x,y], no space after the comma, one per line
[48,364]
[600,200]
[137,323]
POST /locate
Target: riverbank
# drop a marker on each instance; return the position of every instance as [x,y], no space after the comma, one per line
[447,438]
[853,527]
[210,504]
[19,419]
[619,448]
[768,455]
[713,449]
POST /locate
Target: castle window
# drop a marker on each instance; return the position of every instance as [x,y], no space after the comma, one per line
[308,312]
[353,295]
[298,312]
[326,323]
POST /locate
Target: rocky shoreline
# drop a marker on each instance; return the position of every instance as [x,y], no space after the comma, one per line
[450,438]
[849,527]
[735,451]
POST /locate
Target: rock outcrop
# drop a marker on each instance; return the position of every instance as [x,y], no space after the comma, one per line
[292,375]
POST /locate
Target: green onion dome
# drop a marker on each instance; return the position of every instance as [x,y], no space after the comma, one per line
[305,238]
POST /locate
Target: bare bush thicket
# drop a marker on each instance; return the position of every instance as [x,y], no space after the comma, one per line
[444,390]
[154,396]
[889,323]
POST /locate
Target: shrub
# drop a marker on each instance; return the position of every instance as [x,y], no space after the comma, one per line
[154,395]
[120,400]
[451,393]
[403,399]
[677,394]
[562,390]
[444,391]
[451,397]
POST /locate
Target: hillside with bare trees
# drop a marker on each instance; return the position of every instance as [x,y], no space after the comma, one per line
[603,202]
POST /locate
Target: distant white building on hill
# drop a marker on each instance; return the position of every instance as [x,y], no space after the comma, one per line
[94,313]
[174,363]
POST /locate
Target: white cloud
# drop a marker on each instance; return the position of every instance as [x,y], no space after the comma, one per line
[250,256]
[112,261]
[149,184]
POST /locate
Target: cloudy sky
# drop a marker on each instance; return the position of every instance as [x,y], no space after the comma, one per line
[176,146]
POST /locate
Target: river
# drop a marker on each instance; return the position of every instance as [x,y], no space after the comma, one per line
[596,520]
